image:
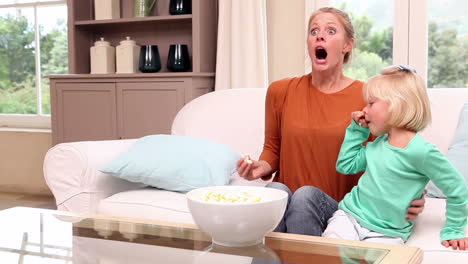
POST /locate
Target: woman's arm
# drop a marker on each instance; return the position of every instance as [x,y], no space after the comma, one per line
[273,108]
[416,207]
[269,159]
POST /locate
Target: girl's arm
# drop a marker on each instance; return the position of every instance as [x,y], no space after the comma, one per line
[352,157]
[453,185]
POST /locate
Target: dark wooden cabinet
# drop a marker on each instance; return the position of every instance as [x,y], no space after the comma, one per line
[145,108]
[86,111]
[88,106]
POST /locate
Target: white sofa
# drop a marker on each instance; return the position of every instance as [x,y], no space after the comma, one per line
[236,118]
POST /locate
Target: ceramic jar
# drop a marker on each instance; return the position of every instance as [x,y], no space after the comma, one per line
[127,55]
[106,9]
[102,57]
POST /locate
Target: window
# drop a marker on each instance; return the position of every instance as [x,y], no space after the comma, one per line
[448,43]
[430,35]
[373,25]
[33,44]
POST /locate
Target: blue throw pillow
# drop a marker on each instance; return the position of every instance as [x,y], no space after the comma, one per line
[457,153]
[176,163]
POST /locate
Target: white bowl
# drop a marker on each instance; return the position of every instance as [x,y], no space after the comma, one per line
[237,224]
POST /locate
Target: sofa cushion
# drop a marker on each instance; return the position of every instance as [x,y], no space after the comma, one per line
[457,153]
[427,228]
[176,163]
[148,203]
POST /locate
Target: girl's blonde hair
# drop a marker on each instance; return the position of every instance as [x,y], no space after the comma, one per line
[404,90]
[343,17]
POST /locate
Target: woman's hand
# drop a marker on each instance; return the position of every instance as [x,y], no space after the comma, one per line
[360,118]
[461,243]
[416,207]
[252,169]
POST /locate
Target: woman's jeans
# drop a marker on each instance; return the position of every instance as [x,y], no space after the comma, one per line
[307,212]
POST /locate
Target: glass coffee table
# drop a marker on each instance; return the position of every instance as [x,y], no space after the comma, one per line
[29,235]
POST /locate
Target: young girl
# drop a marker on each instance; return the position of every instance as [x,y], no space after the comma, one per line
[398,165]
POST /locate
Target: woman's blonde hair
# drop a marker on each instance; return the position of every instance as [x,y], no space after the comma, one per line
[343,17]
[404,90]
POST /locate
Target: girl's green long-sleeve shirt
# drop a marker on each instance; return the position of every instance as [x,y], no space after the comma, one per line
[393,178]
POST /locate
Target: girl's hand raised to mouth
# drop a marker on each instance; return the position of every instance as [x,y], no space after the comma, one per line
[360,118]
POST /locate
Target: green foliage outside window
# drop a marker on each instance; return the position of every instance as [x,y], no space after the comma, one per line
[17,63]
[447,57]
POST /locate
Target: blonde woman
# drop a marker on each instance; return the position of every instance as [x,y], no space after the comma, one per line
[398,165]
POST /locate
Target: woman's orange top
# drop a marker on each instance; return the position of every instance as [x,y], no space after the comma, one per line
[304,129]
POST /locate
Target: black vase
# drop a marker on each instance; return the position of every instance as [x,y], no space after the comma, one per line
[150,60]
[178,59]
[180,7]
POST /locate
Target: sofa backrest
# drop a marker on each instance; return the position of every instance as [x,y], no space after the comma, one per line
[446,104]
[235,117]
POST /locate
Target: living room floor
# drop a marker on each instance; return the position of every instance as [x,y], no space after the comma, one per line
[8,200]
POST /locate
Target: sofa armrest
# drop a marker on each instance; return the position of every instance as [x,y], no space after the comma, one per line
[71,171]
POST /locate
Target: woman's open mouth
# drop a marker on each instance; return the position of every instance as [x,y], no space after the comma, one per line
[320,53]
[320,57]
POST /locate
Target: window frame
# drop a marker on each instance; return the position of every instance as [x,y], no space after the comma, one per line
[39,120]
[410,29]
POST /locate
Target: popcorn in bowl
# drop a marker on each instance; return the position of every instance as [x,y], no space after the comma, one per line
[243,197]
[237,216]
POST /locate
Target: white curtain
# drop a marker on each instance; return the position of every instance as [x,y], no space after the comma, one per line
[242,45]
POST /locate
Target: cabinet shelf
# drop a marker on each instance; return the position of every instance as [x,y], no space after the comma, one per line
[133,75]
[135,20]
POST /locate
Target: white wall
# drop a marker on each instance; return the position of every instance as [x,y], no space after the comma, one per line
[21,157]
[286,38]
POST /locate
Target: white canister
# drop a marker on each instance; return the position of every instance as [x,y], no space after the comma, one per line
[127,55]
[102,57]
[106,9]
